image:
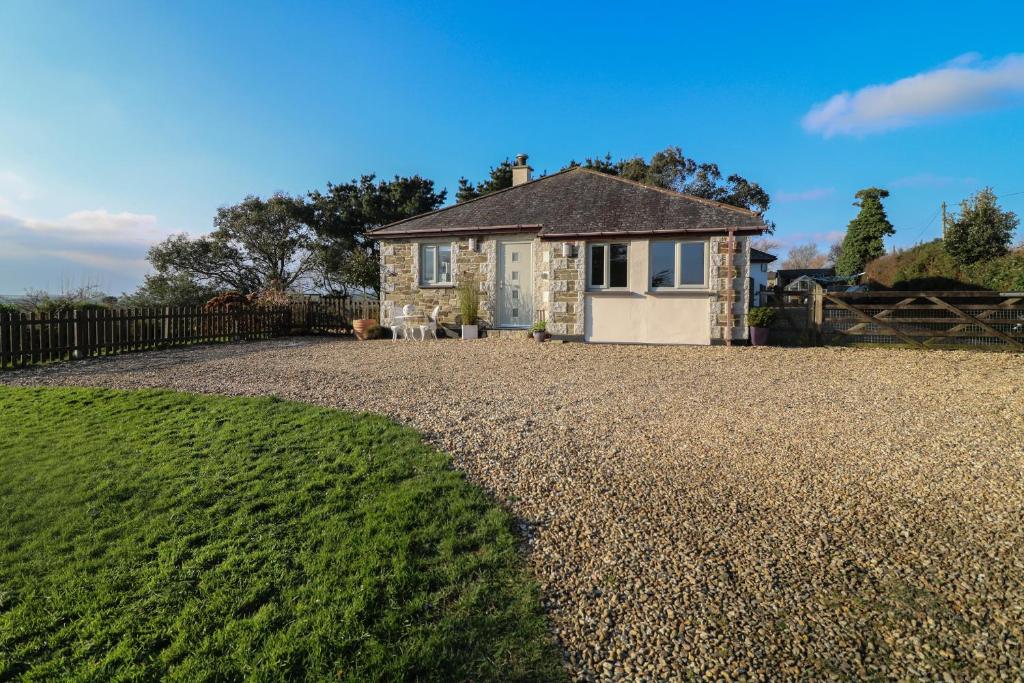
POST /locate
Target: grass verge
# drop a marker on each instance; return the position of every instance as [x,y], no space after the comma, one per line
[155,534]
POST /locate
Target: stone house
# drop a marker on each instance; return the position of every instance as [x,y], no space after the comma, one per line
[598,257]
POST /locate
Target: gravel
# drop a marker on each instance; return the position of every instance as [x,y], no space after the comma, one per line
[744,513]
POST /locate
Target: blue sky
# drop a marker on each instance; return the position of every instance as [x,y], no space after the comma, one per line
[121,123]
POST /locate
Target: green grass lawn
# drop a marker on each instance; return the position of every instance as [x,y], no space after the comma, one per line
[153,534]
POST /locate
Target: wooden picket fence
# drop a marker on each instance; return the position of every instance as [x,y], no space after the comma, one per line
[35,338]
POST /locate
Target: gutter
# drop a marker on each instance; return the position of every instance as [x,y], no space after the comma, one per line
[648,233]
[470,230]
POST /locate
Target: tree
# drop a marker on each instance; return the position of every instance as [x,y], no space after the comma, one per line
[346,257]
[805,256]
[169,289]
[766,244]
[835,250]
[981,231]
[87,296]
[669,169]
[255,243]
[672,170]
[499,178]
[863,241]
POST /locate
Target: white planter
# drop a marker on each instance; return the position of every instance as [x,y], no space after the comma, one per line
[470,331]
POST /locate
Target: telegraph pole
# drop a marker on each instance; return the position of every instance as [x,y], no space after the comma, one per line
[943,221]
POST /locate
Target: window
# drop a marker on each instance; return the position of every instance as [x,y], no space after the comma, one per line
[608,265]
[663,264]
[435,264]
[691,264]
[678,265]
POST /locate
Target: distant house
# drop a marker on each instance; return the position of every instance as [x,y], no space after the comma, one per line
[759,261]
[598,257]
[830,282]
[787,276]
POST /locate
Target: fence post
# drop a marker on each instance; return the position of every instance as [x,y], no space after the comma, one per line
[79,333]
[815,312]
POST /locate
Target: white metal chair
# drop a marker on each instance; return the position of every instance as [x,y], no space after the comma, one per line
[431,325]
[396,323]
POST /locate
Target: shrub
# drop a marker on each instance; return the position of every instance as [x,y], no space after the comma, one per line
[981,231]
[8,308]
[379,332]
[760,317]
[930,267]
[539,326]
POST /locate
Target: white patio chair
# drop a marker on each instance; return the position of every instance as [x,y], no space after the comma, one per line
[396,323]
[431,325]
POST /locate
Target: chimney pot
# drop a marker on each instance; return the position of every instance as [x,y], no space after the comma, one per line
[520,170]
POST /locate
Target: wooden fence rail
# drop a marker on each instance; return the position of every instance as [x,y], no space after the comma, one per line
[34,338]
[920,319]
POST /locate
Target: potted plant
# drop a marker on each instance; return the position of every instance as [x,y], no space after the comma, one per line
[540,330]
[469,308]
[362,327]
[760,319]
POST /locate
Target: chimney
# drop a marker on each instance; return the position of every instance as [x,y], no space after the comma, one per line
[520,171]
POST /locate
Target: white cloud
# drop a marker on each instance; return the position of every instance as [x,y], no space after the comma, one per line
[95,245]
[99,225]
[932,180]
[823,238]
[961,85]
[805,196]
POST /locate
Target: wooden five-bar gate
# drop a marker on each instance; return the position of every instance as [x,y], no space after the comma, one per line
[34,338]
[921,319]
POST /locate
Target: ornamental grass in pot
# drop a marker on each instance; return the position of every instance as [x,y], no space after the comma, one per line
[469,308]
[539,330]
[760,320]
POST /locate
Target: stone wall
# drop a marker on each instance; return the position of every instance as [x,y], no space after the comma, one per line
[564,287]
[720,282]
[400,279]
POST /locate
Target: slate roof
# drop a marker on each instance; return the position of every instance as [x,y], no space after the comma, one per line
[758,256]
[582,203]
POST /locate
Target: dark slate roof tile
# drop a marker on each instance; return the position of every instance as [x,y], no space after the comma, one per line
[579,202]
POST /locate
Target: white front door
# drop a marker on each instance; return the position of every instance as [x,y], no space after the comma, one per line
[515,284]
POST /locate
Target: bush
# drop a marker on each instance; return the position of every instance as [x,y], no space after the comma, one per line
[539,326]
[761,317]
[379,332]
[8,308]
[930,267]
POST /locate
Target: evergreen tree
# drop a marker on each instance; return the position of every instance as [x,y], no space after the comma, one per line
[863,241]
[500,177]
[981,231]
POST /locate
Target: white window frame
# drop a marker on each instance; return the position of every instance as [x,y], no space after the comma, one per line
[423,281]
[677,269]
[607,267]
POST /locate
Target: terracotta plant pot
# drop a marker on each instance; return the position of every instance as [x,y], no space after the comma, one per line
[362,326]
[759,336]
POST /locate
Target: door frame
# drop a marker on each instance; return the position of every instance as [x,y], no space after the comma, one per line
[499,276]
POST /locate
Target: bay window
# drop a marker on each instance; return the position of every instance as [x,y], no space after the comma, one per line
[436,264]
[608,265]
[679,264]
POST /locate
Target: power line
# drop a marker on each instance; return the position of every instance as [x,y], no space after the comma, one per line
[927,225]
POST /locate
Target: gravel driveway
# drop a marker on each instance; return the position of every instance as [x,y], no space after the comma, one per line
[750,513]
